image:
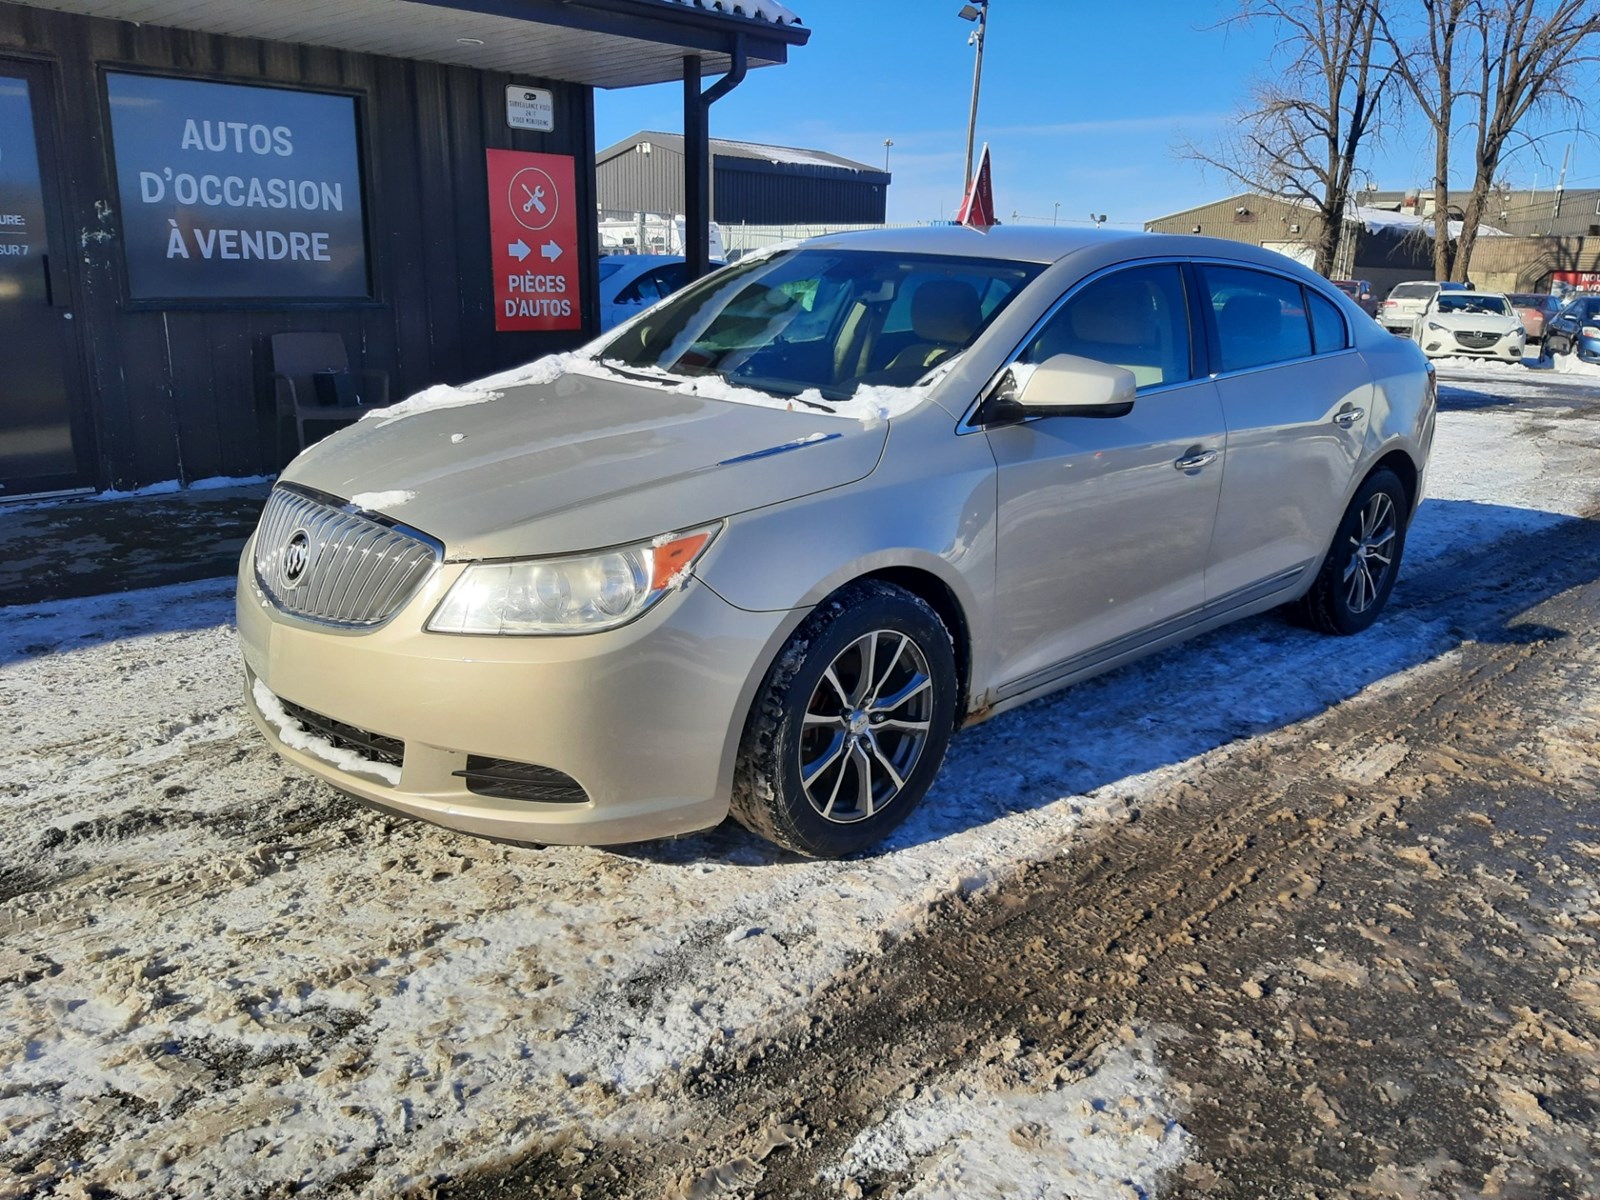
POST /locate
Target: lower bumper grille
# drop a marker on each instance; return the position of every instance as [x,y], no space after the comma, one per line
[374,746]
[508,780]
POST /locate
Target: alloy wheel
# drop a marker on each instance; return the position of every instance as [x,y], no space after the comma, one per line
[1371,553]
[865,726]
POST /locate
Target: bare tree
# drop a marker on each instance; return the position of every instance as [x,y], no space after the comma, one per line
[1300,137]
[1428,66]
[1526,54]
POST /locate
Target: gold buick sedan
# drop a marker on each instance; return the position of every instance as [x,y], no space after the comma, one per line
[766,547]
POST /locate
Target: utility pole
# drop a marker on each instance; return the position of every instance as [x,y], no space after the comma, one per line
[977,11]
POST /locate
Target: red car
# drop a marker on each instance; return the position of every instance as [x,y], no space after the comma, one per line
[1534,310]
[1360,291]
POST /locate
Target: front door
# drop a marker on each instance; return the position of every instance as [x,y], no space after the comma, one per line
[40,451]
[1105,522]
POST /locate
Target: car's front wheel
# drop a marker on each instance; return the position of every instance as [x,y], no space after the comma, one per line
[1359,571]
[850,724]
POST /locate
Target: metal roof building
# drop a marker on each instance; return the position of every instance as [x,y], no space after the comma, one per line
[752,183]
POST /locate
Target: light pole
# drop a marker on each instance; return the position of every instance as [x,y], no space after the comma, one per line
[977,11]
[887,142]
[1055,218]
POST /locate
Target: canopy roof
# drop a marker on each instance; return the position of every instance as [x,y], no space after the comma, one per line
[602,43]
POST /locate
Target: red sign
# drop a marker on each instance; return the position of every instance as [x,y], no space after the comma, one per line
[1589,280]
[533,221]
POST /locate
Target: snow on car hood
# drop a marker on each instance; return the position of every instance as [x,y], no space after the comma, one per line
[581,462]
[1480,322]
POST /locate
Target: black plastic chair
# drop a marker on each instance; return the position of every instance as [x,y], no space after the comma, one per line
[312,381]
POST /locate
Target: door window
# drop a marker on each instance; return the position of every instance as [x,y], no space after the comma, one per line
[1261,318]
[1136,319]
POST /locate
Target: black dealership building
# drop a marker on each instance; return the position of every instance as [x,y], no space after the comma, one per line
[181,180]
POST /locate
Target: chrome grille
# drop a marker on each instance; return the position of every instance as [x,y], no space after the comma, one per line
[327,561]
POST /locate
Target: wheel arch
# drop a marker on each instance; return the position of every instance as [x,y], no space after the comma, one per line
[933,591]
[1399,462]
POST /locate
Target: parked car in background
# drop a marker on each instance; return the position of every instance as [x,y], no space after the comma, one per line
[631,283]
[1477,324]
[1408,301]
[769,547]
[1359,290]
[1534,310]
[1575,330]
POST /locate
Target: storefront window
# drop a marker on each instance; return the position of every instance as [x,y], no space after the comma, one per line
[231,192]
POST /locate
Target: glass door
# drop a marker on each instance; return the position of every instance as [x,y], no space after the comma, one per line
[40,446]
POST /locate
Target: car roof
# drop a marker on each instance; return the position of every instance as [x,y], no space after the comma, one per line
[1050,244]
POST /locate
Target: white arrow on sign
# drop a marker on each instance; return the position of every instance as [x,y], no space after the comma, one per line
[550,250]
[519,249]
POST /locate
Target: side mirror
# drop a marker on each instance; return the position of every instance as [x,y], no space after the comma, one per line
[1063,386]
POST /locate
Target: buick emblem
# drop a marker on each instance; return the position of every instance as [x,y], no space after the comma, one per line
[296,557]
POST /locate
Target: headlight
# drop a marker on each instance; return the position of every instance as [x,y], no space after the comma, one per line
[583,593]
[1436,327]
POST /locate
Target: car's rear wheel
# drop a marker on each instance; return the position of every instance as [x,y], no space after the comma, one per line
[1359,571]
[850,724]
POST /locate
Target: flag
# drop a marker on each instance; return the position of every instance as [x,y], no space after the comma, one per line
[977,210]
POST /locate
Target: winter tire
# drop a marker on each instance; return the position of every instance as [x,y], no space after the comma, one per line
[1359,571]
[850,725]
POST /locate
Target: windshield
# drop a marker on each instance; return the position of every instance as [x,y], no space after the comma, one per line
[828,320]
[1413,291]
[1471,302]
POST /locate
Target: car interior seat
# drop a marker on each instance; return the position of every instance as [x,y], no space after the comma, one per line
[1119,323]
[945,314]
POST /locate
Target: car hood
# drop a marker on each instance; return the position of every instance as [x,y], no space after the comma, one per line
[582,463]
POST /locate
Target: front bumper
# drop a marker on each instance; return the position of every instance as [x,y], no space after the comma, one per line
[1444,345]
[645,718]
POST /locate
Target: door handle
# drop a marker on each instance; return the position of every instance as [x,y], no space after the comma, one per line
[1193,462]
[1347,417]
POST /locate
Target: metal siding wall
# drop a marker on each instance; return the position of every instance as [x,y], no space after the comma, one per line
[649,183]
[745,191]
[182,392]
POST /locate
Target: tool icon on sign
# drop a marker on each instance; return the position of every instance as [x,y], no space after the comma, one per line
[533,199]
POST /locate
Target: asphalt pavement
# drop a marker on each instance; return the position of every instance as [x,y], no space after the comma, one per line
[60,550]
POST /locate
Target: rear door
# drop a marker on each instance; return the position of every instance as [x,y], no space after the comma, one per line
[1296,397]
[1104,522]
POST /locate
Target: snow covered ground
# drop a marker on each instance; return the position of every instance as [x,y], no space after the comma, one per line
[218,977]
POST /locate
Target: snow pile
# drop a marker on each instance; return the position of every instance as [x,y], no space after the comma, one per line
[1571,364]
[1107,1134]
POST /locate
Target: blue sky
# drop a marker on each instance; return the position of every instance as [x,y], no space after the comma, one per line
[1083,104]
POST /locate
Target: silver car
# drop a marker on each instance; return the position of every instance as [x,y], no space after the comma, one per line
[766,547]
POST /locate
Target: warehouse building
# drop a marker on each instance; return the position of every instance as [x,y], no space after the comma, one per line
[751,183]
[208,206]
